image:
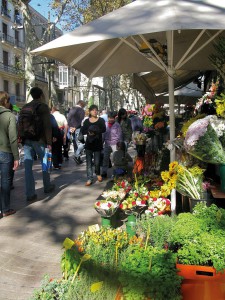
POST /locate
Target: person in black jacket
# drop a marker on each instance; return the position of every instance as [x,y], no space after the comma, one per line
[93,127]
[75,118]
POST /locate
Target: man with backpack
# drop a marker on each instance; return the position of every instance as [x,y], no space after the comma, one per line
[35,131]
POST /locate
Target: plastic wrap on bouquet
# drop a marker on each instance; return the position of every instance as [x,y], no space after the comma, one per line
[106,208]
[203,140]
[114,195]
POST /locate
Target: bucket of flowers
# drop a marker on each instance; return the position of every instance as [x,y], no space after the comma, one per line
[189,181]
[106,208]
[133,206]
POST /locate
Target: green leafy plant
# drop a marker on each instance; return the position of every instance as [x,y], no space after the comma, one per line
[155,230]
[149,272]
[199,237]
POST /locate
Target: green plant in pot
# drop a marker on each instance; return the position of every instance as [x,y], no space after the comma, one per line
[199,237]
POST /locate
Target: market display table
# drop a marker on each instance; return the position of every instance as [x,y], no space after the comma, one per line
[216,192]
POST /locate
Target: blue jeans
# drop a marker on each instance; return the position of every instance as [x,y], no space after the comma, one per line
[77,145]
[6,166]
[30,147]
[89,156]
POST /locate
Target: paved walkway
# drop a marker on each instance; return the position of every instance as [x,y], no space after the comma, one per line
[31,240]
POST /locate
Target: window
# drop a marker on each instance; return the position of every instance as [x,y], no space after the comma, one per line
[18,90]
[63,75]
[4,29]
[16,37]
[5,58]
[6,86]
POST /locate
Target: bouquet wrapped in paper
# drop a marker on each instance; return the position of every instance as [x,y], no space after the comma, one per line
[158,206]
[203,140]
[115,195]
[106,208]
[133,206]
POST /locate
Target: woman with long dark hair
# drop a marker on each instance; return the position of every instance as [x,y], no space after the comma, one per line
[93,127]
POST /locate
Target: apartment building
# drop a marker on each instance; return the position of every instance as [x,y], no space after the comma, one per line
[51,76]
[12,47]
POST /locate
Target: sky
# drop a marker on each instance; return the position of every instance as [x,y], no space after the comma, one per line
[41,6]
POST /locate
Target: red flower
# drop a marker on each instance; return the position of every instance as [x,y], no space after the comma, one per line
[98,203]
[123,184]
[143,202]
[167,202]
[136,194]
[109,204]
[121,206]
[160,213]
[134,203]
[154,199]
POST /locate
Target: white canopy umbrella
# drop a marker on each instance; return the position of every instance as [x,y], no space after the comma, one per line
[111,44]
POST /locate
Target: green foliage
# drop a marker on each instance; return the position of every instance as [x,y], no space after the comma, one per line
[52,290]
[199,237]
[81,288]
[156,230]
[149,272]
[70,261]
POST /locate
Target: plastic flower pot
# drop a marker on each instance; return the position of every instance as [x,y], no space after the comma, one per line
[222,177]
[130,225]
[201,282]
[105,221]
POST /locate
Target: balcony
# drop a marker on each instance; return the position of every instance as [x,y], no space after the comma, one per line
[5,38]
[11,69]
[18,20]
[5,12]
[18,44]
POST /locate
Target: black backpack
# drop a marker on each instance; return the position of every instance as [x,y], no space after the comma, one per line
[30,125]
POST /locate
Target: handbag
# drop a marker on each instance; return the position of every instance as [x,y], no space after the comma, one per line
[81,137]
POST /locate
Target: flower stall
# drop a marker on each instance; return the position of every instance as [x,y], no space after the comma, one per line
[141,251]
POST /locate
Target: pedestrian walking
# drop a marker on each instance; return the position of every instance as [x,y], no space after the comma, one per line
[57,155]
[37,140]
[93,127]
[75,118]
[9,154]
[126,126]
[112,135]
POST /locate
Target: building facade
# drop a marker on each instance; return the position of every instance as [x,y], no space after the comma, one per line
[12,46]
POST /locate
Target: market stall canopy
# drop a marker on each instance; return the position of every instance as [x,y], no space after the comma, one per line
[110,45]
